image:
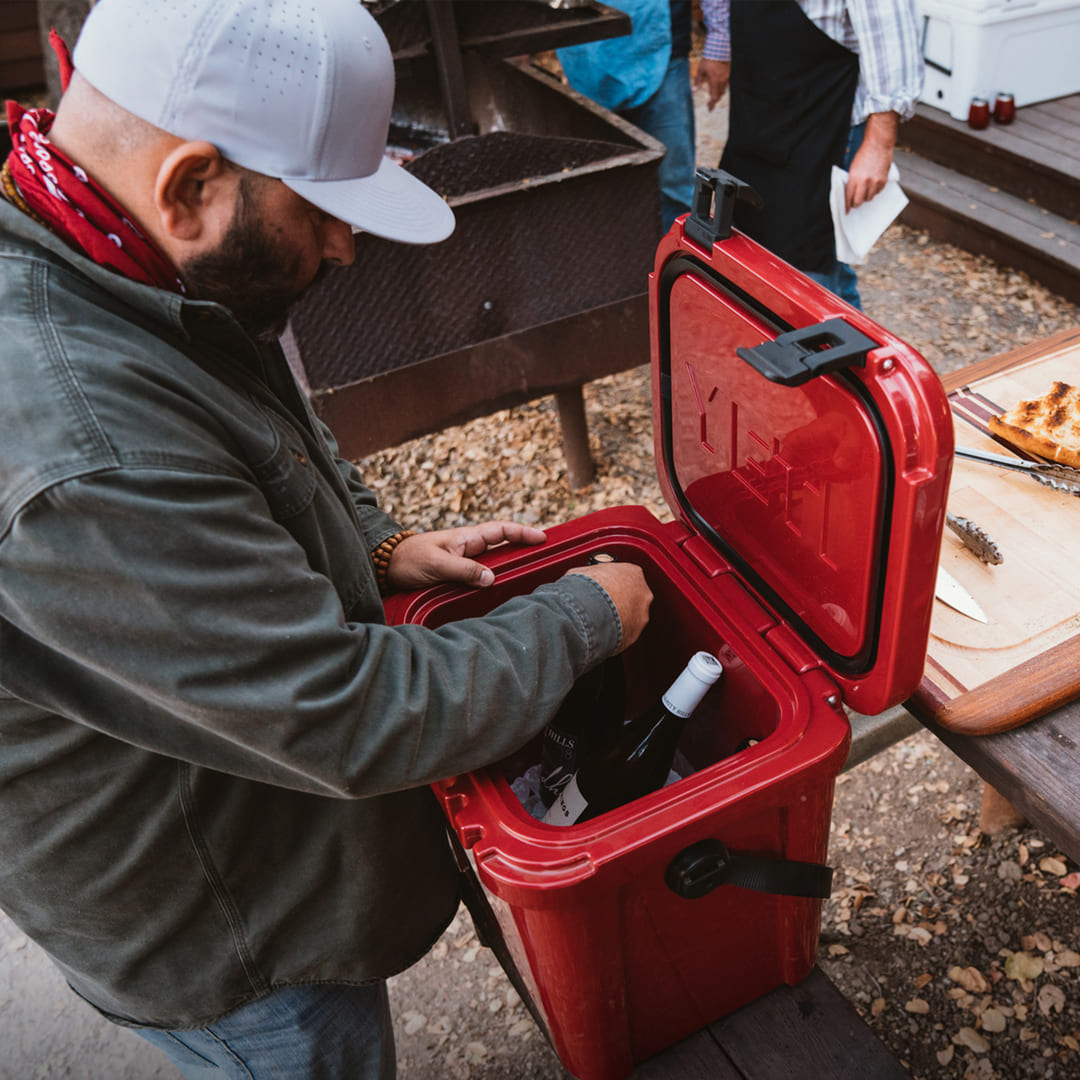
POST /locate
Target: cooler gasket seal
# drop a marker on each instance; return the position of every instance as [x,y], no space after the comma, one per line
[863,661]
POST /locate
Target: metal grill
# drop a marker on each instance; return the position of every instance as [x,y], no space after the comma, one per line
[548,225]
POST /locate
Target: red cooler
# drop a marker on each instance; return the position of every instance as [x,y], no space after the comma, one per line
[805,453]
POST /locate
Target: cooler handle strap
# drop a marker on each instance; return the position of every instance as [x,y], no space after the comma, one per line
[708,864]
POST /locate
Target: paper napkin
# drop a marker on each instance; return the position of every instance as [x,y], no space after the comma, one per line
[858,230]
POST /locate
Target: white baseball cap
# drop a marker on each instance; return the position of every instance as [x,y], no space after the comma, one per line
[300,90]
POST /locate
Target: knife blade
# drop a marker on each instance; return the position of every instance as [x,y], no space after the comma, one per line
[951,592]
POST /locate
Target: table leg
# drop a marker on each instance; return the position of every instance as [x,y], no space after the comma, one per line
[998,814]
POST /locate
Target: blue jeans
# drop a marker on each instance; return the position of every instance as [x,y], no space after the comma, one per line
[669,116]
[840,278]
[297,1033]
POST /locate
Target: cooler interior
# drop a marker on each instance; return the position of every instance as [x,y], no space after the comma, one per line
[746,703]
[615,964]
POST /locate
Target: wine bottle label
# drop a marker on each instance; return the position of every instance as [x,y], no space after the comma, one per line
[568,807]
[566,744]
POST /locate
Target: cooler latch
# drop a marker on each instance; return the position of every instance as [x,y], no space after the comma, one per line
[708,864]
[715,194]
[799,355]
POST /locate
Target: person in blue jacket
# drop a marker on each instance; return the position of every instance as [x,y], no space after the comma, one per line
[644,76]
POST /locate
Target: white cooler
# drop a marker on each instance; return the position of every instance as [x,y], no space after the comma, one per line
[978,48]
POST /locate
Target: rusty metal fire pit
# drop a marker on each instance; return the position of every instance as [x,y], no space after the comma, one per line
[542,285]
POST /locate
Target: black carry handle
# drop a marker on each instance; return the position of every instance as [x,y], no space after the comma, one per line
[707,865]
[799,355]
[708,223]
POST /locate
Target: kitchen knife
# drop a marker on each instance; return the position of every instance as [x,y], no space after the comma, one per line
[951,592]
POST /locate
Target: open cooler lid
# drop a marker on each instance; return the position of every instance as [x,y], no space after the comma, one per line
[808,446]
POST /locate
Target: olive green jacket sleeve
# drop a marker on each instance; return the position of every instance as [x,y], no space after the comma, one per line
[165,608]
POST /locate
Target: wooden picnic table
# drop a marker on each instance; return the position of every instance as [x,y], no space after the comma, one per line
[1030,711]
[1031,756]
[793,1033]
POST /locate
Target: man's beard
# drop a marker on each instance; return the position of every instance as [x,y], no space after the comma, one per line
[249,273]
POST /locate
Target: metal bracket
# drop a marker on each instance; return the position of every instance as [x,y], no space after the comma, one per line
[800,355]
[715,194]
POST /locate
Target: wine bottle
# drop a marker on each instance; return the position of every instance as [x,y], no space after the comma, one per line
[639,759]
[589,717]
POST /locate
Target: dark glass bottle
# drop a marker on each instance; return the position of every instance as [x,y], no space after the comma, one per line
[589,717]
[639,759]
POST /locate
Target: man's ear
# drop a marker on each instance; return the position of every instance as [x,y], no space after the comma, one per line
[191,190]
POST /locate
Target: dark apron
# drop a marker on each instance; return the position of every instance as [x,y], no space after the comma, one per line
[792,90]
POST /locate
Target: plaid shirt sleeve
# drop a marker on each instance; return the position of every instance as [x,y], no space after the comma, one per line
[717,36]
[891,69]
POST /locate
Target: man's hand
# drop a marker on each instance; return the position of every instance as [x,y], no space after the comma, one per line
[625,584]
[715,74]
[870,167]
[447,555]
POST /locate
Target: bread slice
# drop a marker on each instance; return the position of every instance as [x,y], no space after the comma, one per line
[1048,426]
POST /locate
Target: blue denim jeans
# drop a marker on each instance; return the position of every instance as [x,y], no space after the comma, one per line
[840,278]
[669,116]
[298,1033]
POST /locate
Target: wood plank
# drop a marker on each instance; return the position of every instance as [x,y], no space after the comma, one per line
[1020,223]
[992,365]
[1062,111]
[1031,689]
[999,156]
[1047,131]
[1009,139]
[1033,140]
[1066,109]
[804,1031]
[1010,238]
[1055,191]
[1024,214]
[696,1058]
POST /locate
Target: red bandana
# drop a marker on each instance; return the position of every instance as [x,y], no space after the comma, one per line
[77,209]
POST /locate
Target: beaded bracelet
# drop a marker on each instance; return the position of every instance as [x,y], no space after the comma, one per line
[381,557]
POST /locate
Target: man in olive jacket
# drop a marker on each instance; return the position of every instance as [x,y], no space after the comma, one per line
[213,751]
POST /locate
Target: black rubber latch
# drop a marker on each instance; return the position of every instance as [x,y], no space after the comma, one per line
[800,355]
[699,869]
[715,194]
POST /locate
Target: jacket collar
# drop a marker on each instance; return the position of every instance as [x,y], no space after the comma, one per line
[160,305]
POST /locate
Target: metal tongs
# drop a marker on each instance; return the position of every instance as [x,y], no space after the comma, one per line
[976,539]
[1062,478]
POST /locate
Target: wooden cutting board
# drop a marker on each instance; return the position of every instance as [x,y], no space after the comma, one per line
[980,678]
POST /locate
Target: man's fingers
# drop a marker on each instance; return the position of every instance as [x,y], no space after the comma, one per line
[476,539]
[458,570]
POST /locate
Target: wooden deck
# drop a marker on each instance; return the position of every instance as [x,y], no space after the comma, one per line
[804,1032]
[1010,192]
[1035,157]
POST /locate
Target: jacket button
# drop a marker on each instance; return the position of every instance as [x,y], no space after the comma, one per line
[299,457]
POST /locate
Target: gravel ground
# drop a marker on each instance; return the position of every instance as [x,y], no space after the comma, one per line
[961,950]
